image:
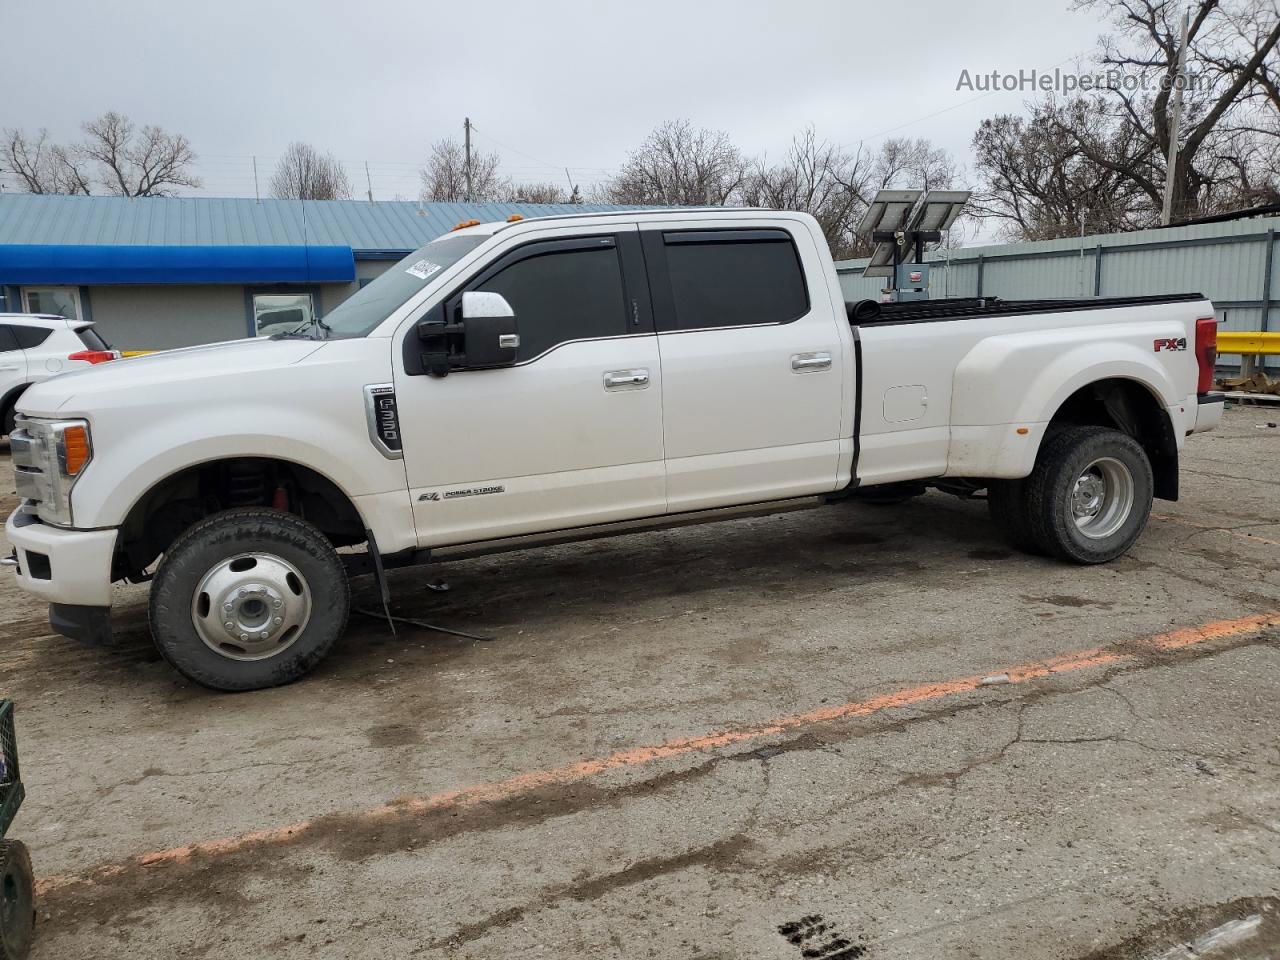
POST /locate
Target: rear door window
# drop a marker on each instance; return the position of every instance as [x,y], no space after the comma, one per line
[8,342]
[31,337]
[730,278]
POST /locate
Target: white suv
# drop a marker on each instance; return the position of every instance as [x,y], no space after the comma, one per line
[34,347]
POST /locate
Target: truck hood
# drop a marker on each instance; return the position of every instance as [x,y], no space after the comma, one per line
[234,360]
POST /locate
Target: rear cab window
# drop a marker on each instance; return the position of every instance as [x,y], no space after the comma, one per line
[727,278]
[91,339]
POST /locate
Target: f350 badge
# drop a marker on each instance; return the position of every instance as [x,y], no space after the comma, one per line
[1171,343]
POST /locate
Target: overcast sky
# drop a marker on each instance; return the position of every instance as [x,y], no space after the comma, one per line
[548,83]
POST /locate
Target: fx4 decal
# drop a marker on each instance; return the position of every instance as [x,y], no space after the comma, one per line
[1171,343]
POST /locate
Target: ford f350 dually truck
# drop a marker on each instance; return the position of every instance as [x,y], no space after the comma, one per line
[561,378]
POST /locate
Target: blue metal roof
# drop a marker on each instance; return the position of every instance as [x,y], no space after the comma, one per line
[367,228]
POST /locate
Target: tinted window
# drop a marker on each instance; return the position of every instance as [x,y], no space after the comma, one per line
[561,295]
[29,337]
[89,337]
[7,341]
[728,278]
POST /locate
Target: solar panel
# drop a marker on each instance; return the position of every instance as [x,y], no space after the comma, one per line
[888,211]
[938,211]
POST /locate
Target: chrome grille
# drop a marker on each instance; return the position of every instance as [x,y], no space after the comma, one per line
[27,445]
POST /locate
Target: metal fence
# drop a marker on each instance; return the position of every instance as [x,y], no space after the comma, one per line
[1234,264]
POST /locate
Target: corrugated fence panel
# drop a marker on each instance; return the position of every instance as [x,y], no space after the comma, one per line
[1225,271]
[1039,278]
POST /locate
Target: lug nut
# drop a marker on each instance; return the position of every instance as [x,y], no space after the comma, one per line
[227,605]
[229,625]
[244,636]
[278,621]
[277,603]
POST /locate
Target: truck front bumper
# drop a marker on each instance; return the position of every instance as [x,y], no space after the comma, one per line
[65,567]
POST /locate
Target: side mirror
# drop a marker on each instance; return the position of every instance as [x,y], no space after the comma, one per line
[489,331]
[483,336]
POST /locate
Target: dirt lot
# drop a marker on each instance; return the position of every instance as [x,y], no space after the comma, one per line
[766,738]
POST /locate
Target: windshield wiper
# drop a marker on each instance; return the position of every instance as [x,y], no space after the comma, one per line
[313,329]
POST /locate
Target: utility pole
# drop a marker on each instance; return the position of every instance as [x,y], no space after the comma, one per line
[368,180]
[466,129]
[1180,81]
[257,198]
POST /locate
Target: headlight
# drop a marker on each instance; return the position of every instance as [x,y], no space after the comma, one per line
[48,457]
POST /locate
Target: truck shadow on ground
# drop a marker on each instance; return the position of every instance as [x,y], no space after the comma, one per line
[932,541]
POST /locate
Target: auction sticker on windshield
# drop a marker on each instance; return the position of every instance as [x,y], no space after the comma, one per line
[423,269]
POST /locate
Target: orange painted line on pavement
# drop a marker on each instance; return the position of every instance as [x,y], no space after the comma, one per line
[1251,537]
[639,756]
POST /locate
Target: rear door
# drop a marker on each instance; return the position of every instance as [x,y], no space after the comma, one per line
[752,365]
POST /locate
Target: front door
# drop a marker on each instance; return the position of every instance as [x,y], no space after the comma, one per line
[572,434]
[753,372]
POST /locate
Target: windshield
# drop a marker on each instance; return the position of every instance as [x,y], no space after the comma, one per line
[376,301]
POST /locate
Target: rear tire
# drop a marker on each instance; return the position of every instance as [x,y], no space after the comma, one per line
[1089,497]
[247,599]
[17,900]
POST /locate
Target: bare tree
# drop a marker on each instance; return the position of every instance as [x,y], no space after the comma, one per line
[132,162]
[818,178]
[542,193]
[39,165]
[444,178]
[1038,184]
[115,155]
[679,164]
[304,173]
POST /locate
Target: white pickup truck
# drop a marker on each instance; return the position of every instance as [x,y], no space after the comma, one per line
[569,377]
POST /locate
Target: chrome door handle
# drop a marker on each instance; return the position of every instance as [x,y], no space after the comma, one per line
[621,379]
[807,362]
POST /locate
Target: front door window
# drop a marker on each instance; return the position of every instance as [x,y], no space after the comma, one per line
[54,301]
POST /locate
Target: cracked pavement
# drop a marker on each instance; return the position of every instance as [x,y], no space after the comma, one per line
[1108,812]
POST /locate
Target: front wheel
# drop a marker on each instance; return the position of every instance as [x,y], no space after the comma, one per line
[249,598]
[1089,497]
[17,900]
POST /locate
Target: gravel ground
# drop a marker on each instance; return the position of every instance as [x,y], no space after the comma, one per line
[762,738]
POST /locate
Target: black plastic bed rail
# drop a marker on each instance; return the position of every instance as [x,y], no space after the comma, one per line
[919,311]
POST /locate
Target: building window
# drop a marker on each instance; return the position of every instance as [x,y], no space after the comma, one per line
[55,301]
[281,312]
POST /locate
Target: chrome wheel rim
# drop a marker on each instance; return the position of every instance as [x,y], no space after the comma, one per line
[1102,498]
[251,606]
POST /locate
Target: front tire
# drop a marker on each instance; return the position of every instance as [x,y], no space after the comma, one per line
[1089,497]
[17,900]
[247,599]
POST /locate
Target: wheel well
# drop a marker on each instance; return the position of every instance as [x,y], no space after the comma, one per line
[1128,406]
[190,495]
